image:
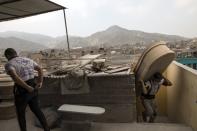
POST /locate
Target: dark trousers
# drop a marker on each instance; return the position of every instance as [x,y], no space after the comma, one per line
[21,103]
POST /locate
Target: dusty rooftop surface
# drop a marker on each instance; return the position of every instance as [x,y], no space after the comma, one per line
[12,125]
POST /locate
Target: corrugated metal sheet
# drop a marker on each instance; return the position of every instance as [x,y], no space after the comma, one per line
[15,9]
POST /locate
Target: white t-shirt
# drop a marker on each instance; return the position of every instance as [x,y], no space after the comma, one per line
[24,67]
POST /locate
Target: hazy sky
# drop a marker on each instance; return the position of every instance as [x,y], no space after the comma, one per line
[84,17]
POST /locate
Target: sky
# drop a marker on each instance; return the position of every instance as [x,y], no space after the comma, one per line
[85,17]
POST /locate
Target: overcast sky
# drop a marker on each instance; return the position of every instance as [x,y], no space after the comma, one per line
[84,17]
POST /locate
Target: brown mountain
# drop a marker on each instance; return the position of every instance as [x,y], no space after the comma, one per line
[116,35]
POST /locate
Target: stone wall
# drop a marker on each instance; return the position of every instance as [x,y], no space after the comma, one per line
[114,92]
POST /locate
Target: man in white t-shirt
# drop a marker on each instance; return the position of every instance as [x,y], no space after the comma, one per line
[21,70]
[150,89]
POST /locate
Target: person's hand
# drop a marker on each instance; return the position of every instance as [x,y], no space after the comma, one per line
[30,89]
[38,85]
[141,81]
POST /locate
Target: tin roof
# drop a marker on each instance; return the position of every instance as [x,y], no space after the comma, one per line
[15,9]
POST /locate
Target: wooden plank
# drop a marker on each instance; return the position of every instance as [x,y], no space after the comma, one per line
[81,109]
[81,62]
[87,59]
[118,70]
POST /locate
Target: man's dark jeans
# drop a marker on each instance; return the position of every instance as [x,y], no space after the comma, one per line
[22,99]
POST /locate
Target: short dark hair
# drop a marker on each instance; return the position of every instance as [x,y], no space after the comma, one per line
[158,76]
[10,52]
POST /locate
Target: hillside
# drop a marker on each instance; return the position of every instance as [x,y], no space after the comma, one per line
[112,36]
[19,44]
[35,38]
[116,35]
[73,40]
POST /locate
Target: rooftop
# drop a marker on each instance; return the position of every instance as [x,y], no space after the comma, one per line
[9,125]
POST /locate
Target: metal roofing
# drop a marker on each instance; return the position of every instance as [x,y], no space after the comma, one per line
[15,9]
